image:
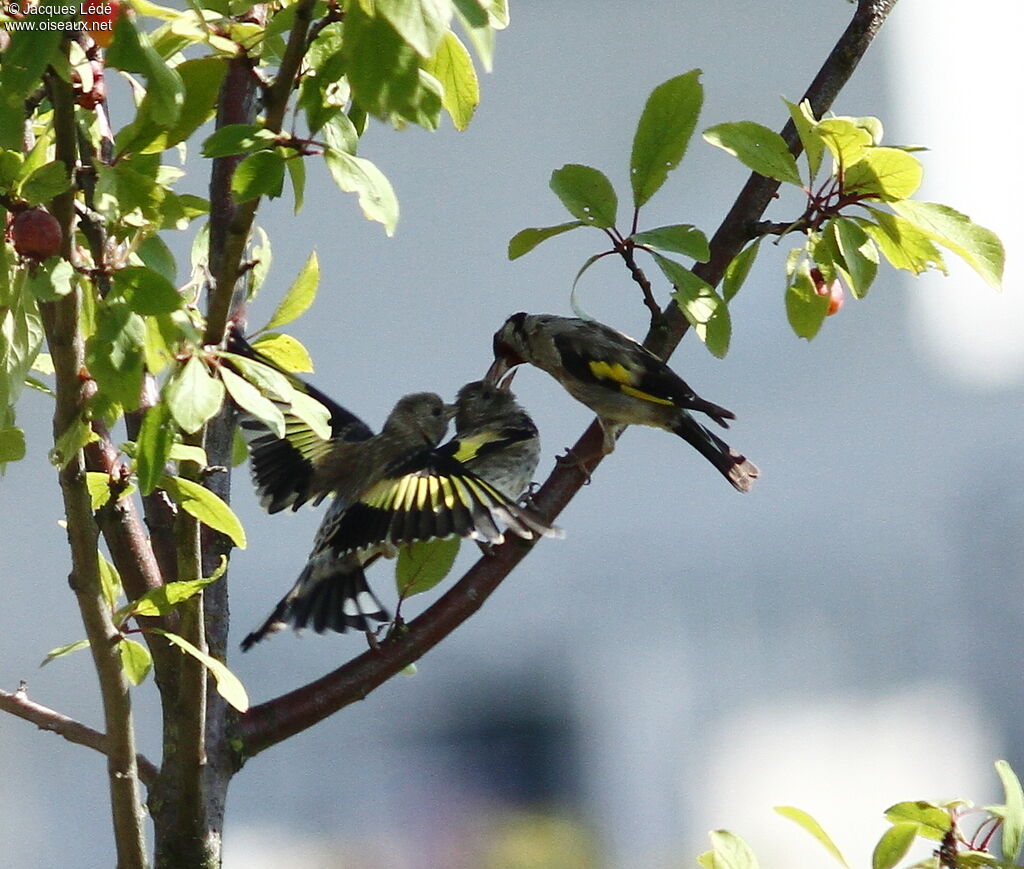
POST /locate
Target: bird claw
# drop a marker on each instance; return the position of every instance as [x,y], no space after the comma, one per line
[573,459]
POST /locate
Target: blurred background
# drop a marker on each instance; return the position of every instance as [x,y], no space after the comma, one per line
[843,638]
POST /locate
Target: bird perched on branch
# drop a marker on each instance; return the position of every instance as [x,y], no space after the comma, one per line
[389,489]
[620,380]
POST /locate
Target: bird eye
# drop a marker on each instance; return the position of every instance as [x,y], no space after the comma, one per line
[436,411]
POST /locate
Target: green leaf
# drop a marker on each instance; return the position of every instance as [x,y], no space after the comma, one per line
[114,354]
[132,51]
[72,439]
[903,243]
[376,195]
[681,238]
[296,167]
[153,447]
[228,684]
[248,397]
[805,309]
[259,174]
[285,351]
[147,291]
[156,255]
[729,851]
[312,413]
[12,444]
[237,139]
[193,395]
[269,381]
[475,21]
[846,140]
[44,183]
[421,23]
[162,600]
[1013,812]
[979,247]
[453,67]
[758,148]
[587,194]
[888,174]
[99,488]
[204,505]
[738,269]
[201,78]
[300,294]
[800,817]
[188,453]
[860,256]
[50,280]
[663,133]
[806,129]
[893,845]
[705,310]
[110,582]
[135,660]
[932,822]
[423,565]
[527,239]
[61,651]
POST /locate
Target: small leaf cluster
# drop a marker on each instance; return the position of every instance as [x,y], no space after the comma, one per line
[136,659]
[662,136]
[856,213]
[940,826]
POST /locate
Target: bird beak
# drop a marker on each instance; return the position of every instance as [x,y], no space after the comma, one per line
[450,410]
[497,369]
[506,383]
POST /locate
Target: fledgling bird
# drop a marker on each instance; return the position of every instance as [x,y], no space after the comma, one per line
[620,380]
[495,437]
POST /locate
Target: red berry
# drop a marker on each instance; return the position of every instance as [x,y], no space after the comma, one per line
[835,298]
[36,234]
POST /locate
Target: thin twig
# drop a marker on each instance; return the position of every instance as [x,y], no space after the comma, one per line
[74,731]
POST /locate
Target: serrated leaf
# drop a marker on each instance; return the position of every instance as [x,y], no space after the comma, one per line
[147,291]
[663,133]
[153,447]
[888,174]
[527,239]
[423,565]
[61,651]
[229,686]
[193,395]
[803,819]
[805,309]
[285,351]
[729,851]
[259,174]
[681,238]
[204,505]
[844,139]
[705,310]
[932,821]
[99,488]
[903,243]
[893,845]
[758,148]
[453,67]
[587,194]
[135,660]
[860,256]
[300,295]
[979,247]
[1013,812]
[249,398]
[806,129]
[376,196]
[738,269]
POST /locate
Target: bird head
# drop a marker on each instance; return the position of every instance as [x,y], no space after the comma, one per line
[510,347]
[420,417]
[481,402]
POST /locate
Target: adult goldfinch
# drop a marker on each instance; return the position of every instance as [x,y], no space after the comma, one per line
[620,380]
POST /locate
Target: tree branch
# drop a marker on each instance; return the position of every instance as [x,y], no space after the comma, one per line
[61,325]
[277,719]
[45,718]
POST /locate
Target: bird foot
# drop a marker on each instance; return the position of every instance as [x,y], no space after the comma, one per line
[573,459]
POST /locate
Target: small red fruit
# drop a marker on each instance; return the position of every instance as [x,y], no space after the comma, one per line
[833,289]
[98,17]
[36,234]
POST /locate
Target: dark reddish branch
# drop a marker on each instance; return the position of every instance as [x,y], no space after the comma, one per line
[270,722]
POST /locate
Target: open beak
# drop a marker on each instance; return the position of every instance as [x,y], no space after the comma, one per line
[497,369]
[506,382]
[450,410]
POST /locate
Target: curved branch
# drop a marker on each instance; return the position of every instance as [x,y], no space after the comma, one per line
[277,719]
[45,718]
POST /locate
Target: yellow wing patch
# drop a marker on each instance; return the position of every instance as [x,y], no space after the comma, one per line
[618,373]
